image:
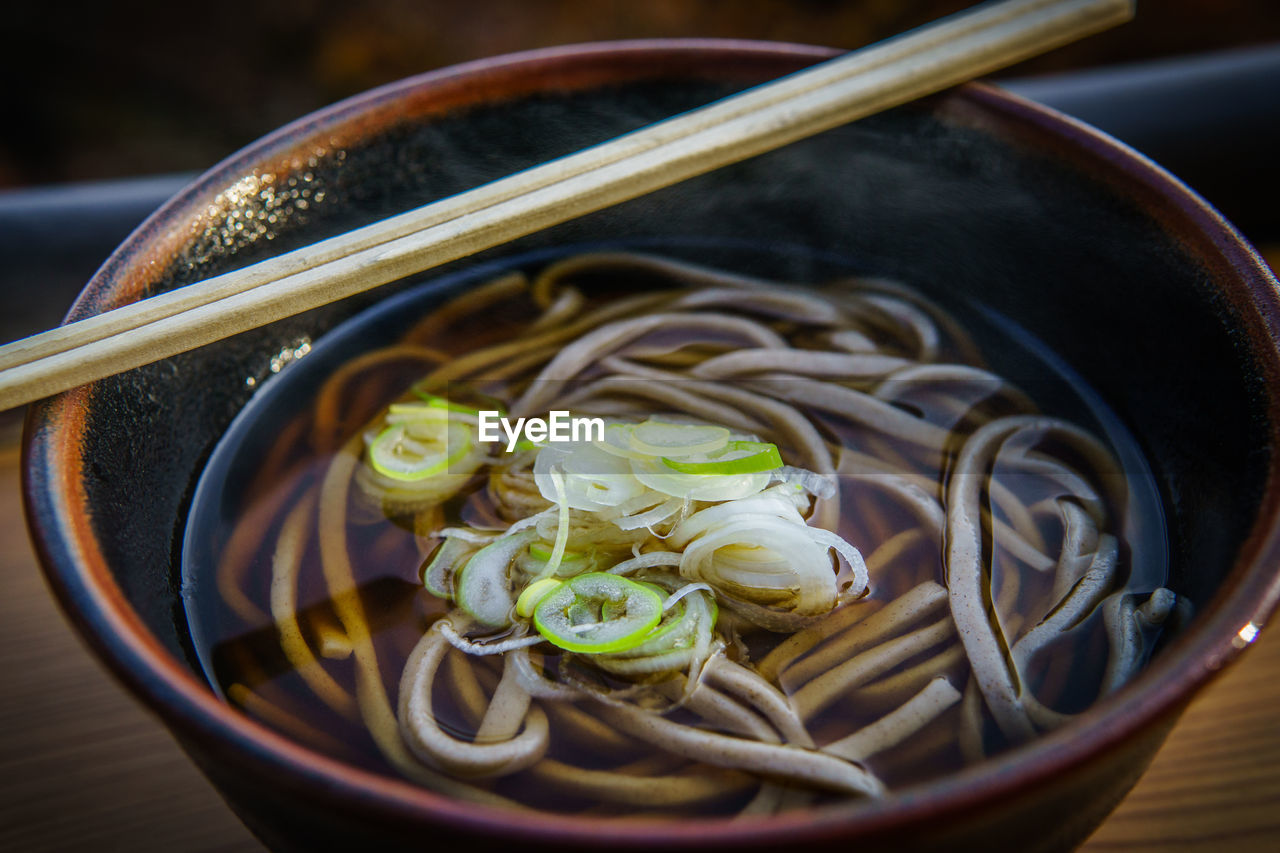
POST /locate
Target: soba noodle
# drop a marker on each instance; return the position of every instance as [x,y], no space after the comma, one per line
[677,616]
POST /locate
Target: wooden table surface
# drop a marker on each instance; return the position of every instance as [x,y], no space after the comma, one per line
[83,767]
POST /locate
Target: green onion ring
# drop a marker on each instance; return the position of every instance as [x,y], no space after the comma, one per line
[760,456]
[598,613]
[384,459]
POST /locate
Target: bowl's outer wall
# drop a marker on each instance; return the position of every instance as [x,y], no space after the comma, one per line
[1057,817]
[955,196]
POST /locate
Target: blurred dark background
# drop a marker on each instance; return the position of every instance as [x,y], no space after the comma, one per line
[99,96]
[115,89]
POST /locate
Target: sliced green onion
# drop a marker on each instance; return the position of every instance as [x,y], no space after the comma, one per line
[439,574]
[534,593]
[436,402]
[682,640]
[699,487]
[671,632]
[738,457]
[562,525]
[598,613]
[617,441]
[534,562]
[418,411]
[656,438]
[650,517]
[396,454]
[541,552]
[482,587]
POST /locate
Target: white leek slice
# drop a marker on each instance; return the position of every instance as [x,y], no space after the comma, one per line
[790,573]
[649,518]
[593,480]
[738,457]
[675,441]
[617,442]
[770,502]
[655,474]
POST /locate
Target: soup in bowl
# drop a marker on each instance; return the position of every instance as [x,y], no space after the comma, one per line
[931,473]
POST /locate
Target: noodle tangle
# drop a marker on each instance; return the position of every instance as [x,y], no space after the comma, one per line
[819,548]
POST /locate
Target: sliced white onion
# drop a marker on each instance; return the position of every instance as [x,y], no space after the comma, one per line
[818,485]
[772,502]
[656,438]
[649,518]
[655,474]
[467,534]
[646,561]
[683,591]
[851,555]
[594,480]
[767,557]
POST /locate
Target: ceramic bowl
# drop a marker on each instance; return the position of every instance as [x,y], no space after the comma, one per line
[973,195]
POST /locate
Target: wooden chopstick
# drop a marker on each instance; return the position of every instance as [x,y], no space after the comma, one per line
[173,302]
[849,87]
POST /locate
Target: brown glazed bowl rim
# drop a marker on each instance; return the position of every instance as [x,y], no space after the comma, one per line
[60,524]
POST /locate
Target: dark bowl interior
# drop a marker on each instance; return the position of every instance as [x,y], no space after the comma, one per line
[971,196]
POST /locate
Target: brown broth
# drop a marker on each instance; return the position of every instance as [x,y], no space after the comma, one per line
[234,531]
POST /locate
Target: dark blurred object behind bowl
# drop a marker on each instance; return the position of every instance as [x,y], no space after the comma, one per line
[1211,119]
[974,197]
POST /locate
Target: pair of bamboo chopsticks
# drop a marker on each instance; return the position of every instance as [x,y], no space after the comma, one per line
[841,90]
